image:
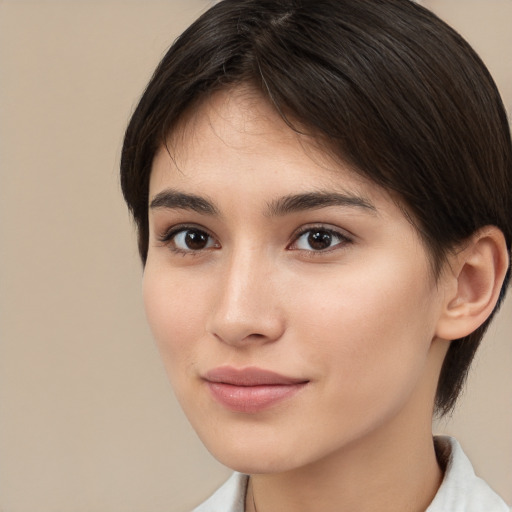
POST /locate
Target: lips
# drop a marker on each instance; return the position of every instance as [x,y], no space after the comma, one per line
[250,389]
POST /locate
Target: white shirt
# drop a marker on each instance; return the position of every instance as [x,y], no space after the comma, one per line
[460,491]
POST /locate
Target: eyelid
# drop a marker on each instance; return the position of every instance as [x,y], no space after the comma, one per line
[343,235]
[173,230]
[167,237]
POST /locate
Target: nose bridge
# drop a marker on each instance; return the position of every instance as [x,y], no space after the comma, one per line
[246,305]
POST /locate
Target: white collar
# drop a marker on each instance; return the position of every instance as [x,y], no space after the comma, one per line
[461,490]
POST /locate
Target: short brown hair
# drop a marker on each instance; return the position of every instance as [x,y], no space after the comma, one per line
[393,90]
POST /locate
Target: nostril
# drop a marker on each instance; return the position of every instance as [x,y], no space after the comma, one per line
[250,331]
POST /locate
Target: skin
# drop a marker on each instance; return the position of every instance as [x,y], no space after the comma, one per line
[357,320]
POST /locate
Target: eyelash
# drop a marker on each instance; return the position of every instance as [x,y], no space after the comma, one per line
[343,239]
[168,238]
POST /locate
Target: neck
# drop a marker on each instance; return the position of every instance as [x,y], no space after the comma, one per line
[399,476]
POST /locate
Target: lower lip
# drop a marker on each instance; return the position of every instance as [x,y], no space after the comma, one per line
[251,399]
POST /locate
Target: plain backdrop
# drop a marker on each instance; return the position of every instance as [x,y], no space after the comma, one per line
[88,422]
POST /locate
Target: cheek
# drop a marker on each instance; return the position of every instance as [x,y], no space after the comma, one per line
[175,318]
[369,332]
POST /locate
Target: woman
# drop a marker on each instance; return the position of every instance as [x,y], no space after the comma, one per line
[322,190]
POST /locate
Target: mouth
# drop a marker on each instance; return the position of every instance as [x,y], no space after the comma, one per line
[250,389]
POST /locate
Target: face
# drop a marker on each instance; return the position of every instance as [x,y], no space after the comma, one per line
[291,300]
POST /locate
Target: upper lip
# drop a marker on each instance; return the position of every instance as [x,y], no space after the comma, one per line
[249,376]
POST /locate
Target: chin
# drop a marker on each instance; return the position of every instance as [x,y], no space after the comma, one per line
[254,463]
[251,456]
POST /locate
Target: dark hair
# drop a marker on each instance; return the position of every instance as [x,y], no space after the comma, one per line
[392,89]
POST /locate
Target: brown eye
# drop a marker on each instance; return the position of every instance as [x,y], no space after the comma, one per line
[196,240]
[319,240]
[189,240]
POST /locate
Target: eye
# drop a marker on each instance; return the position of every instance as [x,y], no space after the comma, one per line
[318,239]
[189,239]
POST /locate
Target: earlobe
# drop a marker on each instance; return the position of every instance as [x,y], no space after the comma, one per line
[473,282]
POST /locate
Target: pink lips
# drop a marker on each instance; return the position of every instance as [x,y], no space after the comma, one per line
[250,389]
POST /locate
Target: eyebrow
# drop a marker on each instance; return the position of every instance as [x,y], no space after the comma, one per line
[175,200]
[316,200]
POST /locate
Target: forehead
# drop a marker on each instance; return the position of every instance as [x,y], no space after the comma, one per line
[238,115]
[237,131]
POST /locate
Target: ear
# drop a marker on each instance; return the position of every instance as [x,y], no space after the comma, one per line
[473,278]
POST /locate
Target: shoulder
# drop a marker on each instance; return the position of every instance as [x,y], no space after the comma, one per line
[462,490]
[230,497]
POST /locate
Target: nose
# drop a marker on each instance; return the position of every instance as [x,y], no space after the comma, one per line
[246,309]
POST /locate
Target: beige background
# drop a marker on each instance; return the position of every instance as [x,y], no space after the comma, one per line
[88,421]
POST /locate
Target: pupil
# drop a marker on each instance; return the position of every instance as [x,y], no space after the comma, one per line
[196,240]
[319,240]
